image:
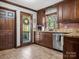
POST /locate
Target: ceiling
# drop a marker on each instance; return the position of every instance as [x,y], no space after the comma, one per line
[35,4]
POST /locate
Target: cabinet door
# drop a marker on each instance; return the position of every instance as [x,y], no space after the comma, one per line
[76,48]
[77,9]
[37,37]
[42,38]
[49,40]
[68,50]
[40,15]
[60,11]
[71,48]
[46,39]
[69,10]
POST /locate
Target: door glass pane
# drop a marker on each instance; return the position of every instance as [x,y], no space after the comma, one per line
[26,28]
[25,37]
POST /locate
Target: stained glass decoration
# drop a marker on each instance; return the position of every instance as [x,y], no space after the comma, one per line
[26,25]
[26,21]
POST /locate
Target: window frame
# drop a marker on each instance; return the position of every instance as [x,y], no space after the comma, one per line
[55,13]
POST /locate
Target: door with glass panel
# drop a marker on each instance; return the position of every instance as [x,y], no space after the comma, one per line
[25,28]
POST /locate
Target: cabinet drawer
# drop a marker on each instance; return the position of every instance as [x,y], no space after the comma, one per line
[44,39]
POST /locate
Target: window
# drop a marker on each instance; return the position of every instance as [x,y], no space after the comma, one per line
[51,21]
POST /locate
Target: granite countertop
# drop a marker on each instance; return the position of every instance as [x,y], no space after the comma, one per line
[66,32]
[76,35]
[62,31]
[58,30]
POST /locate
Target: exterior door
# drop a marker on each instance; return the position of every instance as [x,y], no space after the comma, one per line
[7,29]
[25,28]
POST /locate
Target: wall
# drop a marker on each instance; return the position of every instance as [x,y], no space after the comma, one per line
[50,10]
[18,9]
[69,25]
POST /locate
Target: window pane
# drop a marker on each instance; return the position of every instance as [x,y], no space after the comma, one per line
[52,22]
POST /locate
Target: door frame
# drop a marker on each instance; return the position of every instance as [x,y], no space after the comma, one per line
[21,40]
[15,24]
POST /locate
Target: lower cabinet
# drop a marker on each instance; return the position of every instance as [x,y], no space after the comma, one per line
[44,39]
[71,48]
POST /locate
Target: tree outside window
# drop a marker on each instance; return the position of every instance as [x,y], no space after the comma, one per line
[51,22]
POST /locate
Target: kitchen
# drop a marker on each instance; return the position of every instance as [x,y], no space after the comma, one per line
[53,27]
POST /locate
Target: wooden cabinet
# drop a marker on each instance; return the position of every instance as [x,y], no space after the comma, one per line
[47,39]
[37,37]
[40,15]
[77,9]
[60,11]
[71,48]
[44,39]
[68,10]
[71,10]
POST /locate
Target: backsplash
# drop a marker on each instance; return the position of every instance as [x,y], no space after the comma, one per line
[69,25]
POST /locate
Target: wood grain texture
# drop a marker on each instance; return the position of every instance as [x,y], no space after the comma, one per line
[68,9]
[40,15]
[44,39]
[77,9]
[7,30]
[71,48]
[60,12]
[71,11]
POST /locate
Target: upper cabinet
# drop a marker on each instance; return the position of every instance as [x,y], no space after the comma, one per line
[77,9]
[67,11]
[40,16]
[71,10]
[60,11]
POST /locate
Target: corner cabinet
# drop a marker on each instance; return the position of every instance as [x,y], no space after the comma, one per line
[71,10]
[71,48]
[44,39]
[40,15]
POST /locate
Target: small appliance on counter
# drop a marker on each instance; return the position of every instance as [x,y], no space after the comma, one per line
[40,28]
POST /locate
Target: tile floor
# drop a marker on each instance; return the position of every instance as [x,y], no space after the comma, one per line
[30,52]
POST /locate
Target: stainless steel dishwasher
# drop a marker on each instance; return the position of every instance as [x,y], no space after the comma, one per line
[58,41]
